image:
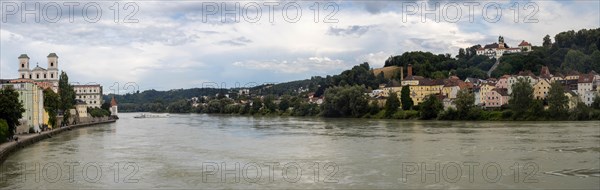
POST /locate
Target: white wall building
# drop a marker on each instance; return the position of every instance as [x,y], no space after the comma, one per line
[90,94]
[586,90]
[496,50]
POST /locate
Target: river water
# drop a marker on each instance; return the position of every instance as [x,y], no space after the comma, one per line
[214,151]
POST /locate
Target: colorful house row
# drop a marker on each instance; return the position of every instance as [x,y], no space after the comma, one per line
[32,97]
[494,93]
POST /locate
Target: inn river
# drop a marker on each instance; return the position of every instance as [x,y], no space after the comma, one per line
[222,151]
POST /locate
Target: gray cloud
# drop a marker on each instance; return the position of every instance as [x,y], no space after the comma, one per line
[376,6]
[241,41]
[354,30]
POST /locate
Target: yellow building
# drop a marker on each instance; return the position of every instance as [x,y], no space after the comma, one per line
[392,86]
[484,89]
[425,88]
[573,75]
[557,77]
[387,90]
[32,98]
[541,89]
[573,99]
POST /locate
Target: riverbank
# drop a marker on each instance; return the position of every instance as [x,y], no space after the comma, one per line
[7,148]
[446,115]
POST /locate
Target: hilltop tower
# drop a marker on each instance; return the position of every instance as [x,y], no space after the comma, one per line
[501,42]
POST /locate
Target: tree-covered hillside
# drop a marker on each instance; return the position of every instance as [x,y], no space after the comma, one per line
[571,51]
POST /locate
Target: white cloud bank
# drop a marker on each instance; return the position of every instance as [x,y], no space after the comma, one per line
[171,47]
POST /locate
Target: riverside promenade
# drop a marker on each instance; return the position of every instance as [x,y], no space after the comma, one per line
[7,148]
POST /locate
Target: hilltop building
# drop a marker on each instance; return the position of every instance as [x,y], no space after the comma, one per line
[496,50]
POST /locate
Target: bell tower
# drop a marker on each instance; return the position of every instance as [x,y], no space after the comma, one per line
[52,66]
[501,42]
[24,66]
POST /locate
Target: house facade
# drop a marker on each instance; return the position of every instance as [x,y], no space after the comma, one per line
[496,98]
[32,98]
[90,94]
[541,89]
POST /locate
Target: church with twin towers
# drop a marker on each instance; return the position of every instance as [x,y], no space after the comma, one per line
[39,74]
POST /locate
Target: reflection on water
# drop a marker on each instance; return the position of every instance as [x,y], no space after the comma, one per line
[201,151]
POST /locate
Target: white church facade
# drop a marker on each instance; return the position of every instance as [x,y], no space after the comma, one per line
[39,74]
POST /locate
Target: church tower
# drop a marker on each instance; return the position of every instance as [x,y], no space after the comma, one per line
[24,66]
[52,66]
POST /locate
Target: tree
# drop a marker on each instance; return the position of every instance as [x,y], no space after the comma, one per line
[373,108]
[12,108]
[3,130]
[407,102]
[431,107]
[285,103]
[256,105]
[557,101]
[580,112]
[547,41]
[391,104]
[105,105]
[66,94]
[595,63]
[536,110]
[345,101]
[51,105]
[214,106]
[180,106]
[596,103]
[521,97]
[576,60]
[381,78]
[464,102]
[269,104]
[461,53]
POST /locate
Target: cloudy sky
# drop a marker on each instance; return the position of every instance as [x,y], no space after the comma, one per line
[183,44]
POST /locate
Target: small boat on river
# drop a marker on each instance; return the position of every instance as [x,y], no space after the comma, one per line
[143,116]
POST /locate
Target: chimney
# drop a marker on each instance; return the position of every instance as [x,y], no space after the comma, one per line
[409,74]
[401,73]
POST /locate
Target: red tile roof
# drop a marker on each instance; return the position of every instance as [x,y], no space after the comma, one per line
[585,78]
[524,43]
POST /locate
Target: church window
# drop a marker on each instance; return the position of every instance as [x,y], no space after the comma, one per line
[22,65]
[37,76]
[51,64]
[44,75]
[22,76]
[30,76]
[52,75]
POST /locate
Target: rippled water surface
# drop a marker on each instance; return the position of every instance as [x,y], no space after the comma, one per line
[212,151]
